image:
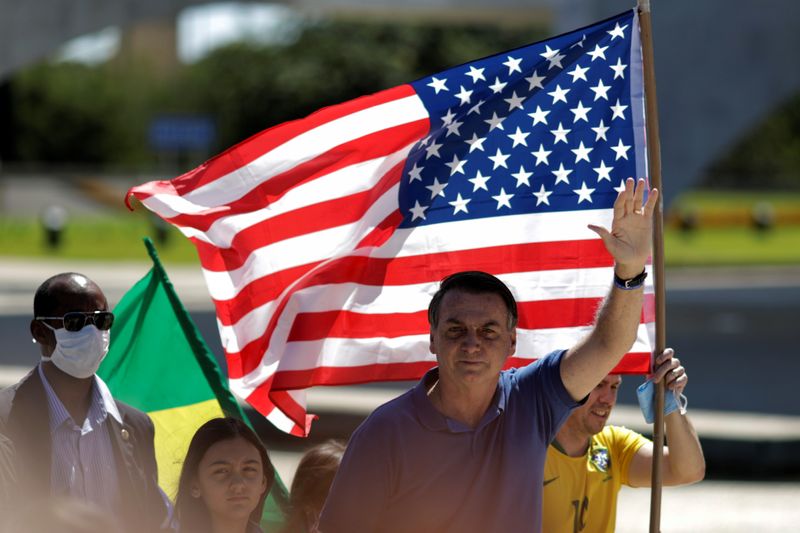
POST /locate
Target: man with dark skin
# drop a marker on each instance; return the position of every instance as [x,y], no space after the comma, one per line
[71,437]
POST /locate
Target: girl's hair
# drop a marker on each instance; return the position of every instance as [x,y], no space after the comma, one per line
[191,513]
[311,484]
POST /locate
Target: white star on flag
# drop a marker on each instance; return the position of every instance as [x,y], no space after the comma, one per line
[539,116]
[418,211]
[497,86]
[600,130]
[584,193]
[618,68]
[499,159]
[476,143]
[519,137]
[618,110]
[617,32]
[437,189]
[522,177]
[415,173]
[476,74]
[560,134]
[562,174]
[479,182]
[535,81]
[460,204]
[553,57]
[448,117]
[438,85]
[600,90]
[578,73]
[582,153]
[503,199]
[621,150]
[541,155]
[513,65]
[432,150]
[453,129]
[559,94]
[598,52]
[463,95]
[514,102]
[603,172]
[495,122]
[541,196]
[580,112]
[456,166]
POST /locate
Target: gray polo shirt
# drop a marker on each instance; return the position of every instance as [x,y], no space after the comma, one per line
[408,468]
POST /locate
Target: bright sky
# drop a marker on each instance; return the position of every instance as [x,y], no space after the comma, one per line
[200,30]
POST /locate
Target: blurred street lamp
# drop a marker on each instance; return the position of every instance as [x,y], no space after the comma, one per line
[763,217]
[160,229]
[687,220]
[53,218]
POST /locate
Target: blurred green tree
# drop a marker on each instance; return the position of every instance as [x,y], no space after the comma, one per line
[766,158]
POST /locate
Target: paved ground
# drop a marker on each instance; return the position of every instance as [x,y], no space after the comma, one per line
[715,507]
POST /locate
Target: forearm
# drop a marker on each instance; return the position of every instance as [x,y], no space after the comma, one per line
[618,319]
[683,458]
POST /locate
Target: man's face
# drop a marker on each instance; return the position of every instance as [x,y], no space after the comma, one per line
[76,293]
[472,339]
[592,416]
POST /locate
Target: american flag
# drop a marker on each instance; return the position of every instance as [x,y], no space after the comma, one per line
[322,240]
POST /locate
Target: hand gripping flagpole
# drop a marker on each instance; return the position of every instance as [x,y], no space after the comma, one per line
[654,164]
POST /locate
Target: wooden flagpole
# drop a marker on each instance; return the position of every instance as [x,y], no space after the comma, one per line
[654,164]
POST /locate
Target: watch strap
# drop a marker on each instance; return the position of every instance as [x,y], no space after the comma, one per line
[631,283]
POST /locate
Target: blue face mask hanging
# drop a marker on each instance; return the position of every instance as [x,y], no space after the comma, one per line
[646,392]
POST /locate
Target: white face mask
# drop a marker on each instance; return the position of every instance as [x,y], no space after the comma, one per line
[79,353]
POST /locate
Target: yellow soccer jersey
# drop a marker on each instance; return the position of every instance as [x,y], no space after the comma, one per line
[580,493]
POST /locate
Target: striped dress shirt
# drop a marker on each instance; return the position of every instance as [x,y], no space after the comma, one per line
[82,460]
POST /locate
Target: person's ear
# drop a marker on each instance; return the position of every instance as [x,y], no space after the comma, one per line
[263,484]
[42,335]
[513,342]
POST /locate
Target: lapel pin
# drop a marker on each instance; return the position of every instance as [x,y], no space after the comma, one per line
[125,434]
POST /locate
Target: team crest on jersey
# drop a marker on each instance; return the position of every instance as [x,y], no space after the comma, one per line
[600,459]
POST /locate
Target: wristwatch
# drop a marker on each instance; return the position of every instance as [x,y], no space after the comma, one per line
[632,283]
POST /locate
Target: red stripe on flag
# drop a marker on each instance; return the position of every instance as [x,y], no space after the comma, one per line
[409,270]
[631,363]
[543,314]
[376,145]
[301,221]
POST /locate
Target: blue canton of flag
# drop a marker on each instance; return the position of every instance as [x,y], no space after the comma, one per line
[554,126]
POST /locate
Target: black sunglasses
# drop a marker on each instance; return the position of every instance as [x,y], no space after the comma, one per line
[76,320]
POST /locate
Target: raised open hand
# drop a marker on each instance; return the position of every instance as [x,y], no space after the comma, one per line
[630,238]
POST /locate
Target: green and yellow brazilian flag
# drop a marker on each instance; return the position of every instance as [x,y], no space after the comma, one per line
[159,363]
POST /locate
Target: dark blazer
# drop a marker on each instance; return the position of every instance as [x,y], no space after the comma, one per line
[24,409]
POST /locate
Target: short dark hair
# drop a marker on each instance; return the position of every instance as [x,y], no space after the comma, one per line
[474,282]
[46,298]
[53,289]
[191,513]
